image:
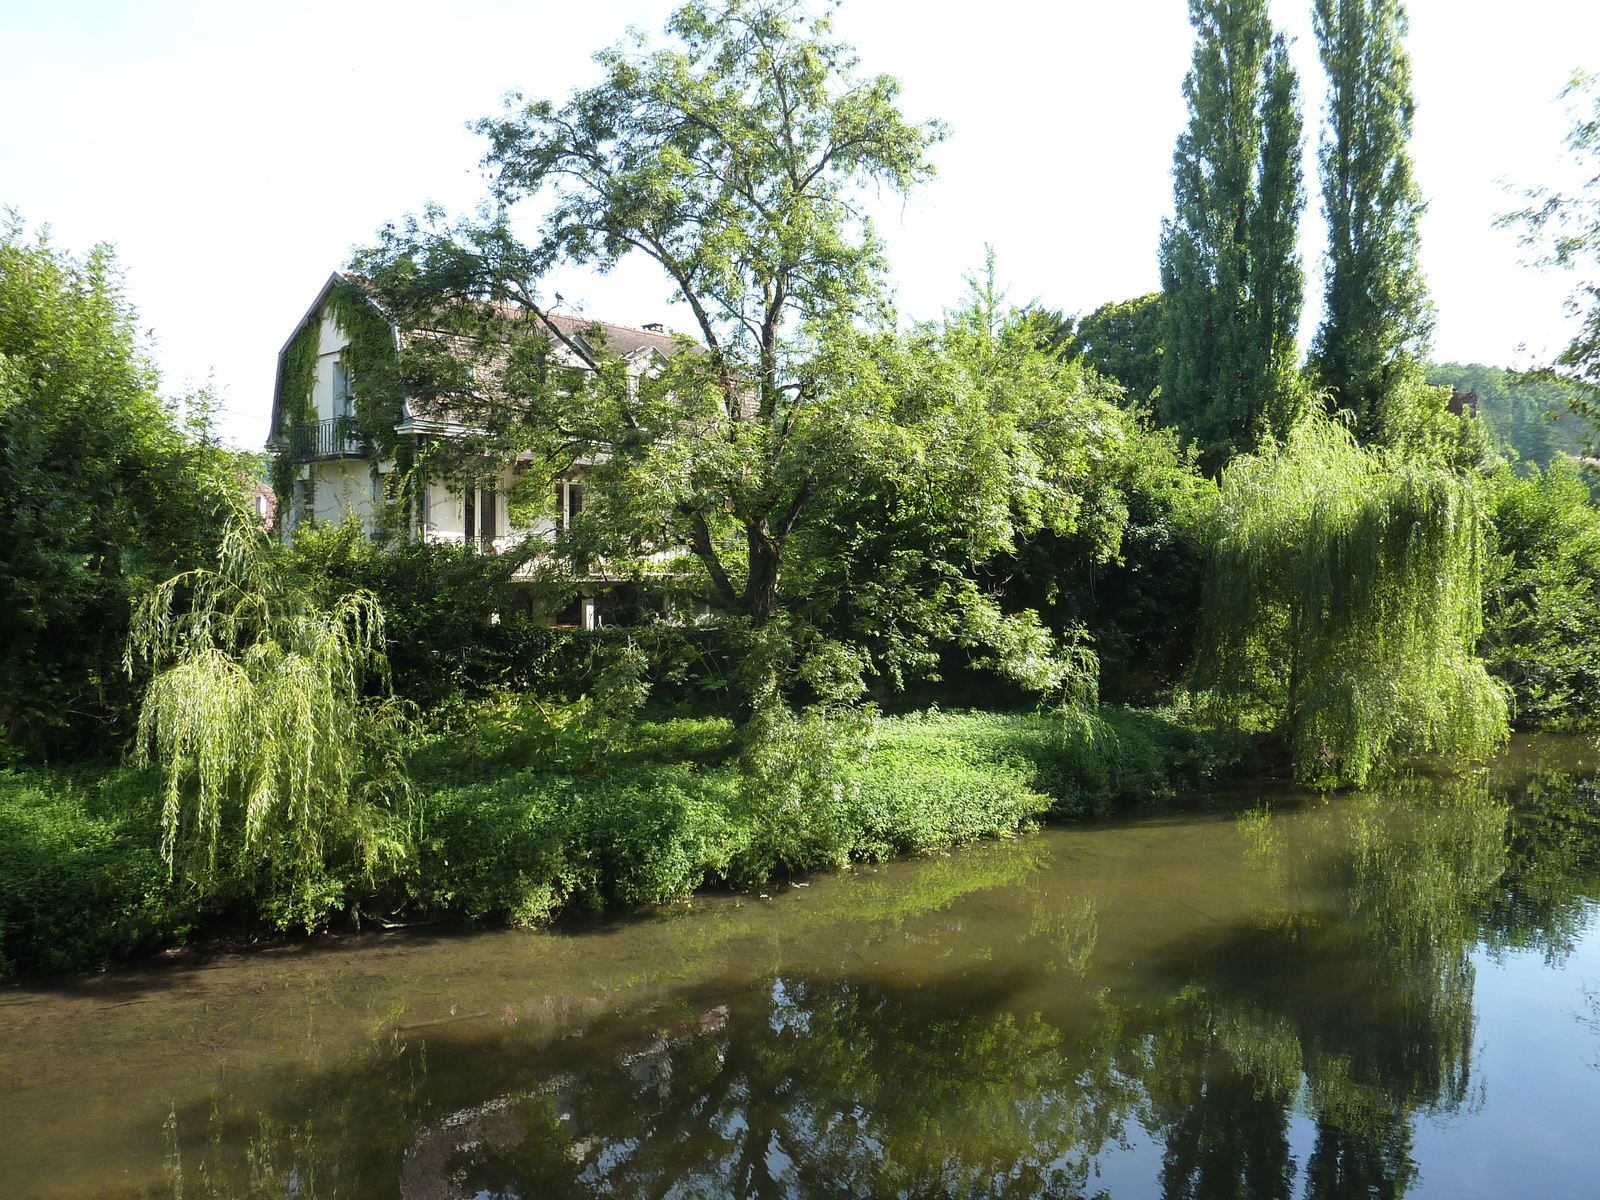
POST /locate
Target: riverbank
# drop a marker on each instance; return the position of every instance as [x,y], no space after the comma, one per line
[1296,971]
[517,812]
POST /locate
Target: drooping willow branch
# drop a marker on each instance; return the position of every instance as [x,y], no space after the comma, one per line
[1343,603]
[256,710]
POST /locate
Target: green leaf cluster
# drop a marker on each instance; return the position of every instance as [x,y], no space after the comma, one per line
[103,490]
[1541,630]
[1377,317]
[1342,605]
[1231,276]
[1123,341]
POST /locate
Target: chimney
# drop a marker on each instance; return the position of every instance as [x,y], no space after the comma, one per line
[655,327]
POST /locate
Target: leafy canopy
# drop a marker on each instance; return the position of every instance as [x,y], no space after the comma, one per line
[256,715]
[741,466]
[103,489]
[1231,275]
[1342,604]
[1378,317]
[1123,341]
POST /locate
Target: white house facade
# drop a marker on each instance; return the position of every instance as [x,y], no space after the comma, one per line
[332,475]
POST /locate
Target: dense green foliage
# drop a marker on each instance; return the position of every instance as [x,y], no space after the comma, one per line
[1140,599]
[1342,604]
[450,619]
[1230,268]
[1377,317]
[1541,631]
[274,763]
[540,809]
[1122,341]
[81,877]
[102,491]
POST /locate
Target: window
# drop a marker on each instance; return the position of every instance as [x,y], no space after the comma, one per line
[569,503]
[343,397]
[486,517]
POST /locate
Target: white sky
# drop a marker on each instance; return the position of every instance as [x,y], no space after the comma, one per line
[235,150]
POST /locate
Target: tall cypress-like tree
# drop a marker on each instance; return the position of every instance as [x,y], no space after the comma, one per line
[1378,318]
[1230,271]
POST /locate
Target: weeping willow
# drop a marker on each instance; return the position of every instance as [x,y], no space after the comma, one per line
[1343,603]
[255,715]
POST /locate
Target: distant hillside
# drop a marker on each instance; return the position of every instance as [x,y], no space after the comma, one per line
[1528,420]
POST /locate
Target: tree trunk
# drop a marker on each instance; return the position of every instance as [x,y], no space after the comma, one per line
[761,586]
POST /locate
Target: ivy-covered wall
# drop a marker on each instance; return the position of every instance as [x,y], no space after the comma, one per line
[370,356]
[297,381]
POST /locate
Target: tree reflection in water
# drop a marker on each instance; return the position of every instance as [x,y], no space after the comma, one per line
[1348,1005]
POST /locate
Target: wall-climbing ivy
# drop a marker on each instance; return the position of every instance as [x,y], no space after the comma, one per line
[297,380]
[371,355]
[371,358]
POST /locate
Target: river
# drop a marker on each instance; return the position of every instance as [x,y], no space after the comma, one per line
[1264,993]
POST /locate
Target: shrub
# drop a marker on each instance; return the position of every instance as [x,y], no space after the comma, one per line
[1541,631]
[926,784]
[81,876]
[1081,762]
[530,844]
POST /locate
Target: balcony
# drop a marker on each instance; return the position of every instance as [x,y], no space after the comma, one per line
[314,441]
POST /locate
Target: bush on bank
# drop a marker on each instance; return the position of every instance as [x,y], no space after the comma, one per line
[81,876]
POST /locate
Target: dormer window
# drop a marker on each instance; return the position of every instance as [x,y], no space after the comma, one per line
[344,400]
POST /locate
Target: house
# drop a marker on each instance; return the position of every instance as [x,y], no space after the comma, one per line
[330,472]
[262,501]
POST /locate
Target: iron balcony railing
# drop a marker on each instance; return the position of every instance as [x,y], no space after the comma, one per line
[324,439]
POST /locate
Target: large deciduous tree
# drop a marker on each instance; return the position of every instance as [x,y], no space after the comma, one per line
[1377,318]
[1230,271]
[1343,603]
[102,491]
[1122,340]
[735,158]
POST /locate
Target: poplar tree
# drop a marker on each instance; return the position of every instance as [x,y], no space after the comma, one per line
[1231,274]
[1378,318]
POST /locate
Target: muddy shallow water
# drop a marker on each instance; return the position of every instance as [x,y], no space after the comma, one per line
[1269,994]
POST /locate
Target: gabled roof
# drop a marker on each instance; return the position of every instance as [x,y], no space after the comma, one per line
[274,439]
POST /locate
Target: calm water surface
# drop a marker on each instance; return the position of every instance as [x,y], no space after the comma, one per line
[1273,996]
